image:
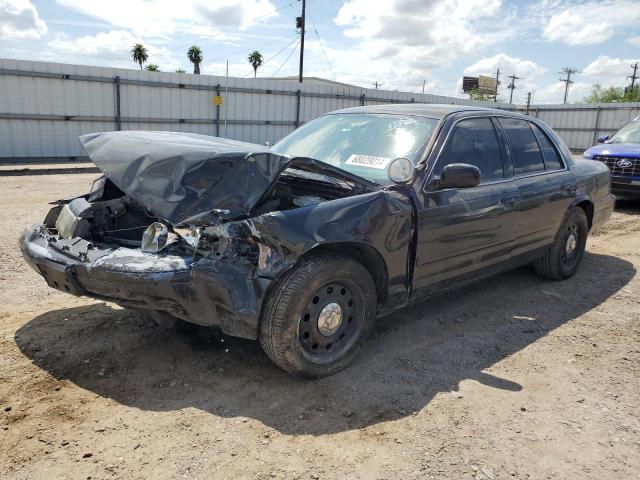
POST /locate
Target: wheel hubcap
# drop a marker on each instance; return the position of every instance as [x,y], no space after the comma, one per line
[572,242]
[570,254]
[330,319]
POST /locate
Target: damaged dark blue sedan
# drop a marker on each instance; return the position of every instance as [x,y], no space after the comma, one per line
[354,215]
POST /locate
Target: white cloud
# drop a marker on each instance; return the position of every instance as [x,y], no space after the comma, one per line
[161,18]
[114,46]
[609,72]
[20,19]
[507,65]
[401,41]
[235,13]
[635,41]
[588,23]
[554,93]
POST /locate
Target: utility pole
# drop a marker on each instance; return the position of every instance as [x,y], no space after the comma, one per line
[528,102]
[495,99]
[300,23]
[378,84]
[634,77]
[423,83]
[568,71]
[512,85]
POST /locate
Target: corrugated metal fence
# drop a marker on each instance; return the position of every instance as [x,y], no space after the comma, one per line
[44,107]
[580,125]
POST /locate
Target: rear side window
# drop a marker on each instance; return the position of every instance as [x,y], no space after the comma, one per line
[474,141]
[526,154]
[549,152]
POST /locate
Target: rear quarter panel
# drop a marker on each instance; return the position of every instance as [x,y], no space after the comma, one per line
[593,178]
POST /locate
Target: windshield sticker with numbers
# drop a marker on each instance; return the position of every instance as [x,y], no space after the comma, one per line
[368,161]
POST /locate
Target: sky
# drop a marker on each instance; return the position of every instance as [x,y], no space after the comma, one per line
[402,44]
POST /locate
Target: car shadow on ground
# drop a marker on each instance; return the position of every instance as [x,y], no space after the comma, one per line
[631,207]
[412,355]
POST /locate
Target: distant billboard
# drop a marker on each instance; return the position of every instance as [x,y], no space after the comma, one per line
[487,84]
[469,83]
[481,83]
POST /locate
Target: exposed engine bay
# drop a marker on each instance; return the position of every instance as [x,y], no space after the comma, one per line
[108,216]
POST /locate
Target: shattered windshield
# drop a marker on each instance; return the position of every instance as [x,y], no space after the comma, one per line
[362,144]
[630,133]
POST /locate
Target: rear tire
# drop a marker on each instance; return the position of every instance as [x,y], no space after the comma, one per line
[317,317]
[562,259]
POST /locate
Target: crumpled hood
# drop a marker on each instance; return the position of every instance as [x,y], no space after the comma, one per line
[183,177]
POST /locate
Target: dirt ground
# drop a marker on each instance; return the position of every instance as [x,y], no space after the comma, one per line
[517,377]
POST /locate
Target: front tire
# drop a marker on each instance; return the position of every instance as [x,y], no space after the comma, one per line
[318,315]
[562,259]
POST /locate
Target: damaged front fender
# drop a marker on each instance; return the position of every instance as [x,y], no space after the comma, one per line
[378,224]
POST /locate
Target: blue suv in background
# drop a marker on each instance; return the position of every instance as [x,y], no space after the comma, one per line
[621,153]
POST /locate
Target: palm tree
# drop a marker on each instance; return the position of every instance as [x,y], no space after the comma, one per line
[152,67]
[139,54]
[181,70]
[195,57]
[255,59]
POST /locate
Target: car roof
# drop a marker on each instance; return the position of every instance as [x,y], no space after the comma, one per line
[431,110]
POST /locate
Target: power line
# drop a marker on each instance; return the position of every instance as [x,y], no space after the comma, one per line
[377,84]
[285,60]
[244,50]
[321,44]
[568,71]
[274,55]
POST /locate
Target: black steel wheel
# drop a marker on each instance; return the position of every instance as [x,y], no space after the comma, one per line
[317,316]
[570,254]
[562,258]
[331,321]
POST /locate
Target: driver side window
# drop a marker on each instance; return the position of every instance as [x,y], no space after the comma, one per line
[474,141]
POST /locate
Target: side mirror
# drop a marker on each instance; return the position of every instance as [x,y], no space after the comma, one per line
[602,138]
[459,175]
[400,171]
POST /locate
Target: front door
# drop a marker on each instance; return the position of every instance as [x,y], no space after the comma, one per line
[461,230]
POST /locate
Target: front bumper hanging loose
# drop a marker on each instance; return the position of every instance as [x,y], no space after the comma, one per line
[224,292]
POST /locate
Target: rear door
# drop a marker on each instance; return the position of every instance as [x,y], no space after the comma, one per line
[462,230]
[545,186]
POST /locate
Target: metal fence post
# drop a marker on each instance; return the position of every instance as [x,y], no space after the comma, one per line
[117,93]
[298,96]
[597,125]
[218,112]
[362,100]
